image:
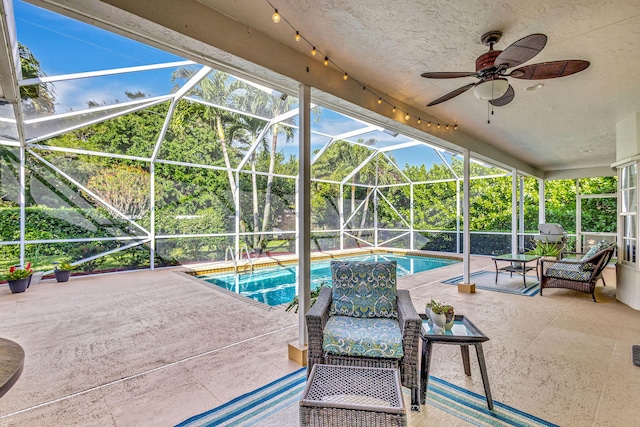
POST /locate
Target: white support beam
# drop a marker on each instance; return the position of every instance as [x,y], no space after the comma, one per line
[152,216]
[541,202]
[304,212]
[101,73]
[521,214]
[514,211]
[466,240]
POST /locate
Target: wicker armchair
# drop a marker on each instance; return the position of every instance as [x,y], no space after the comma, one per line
[577,274]
[362,278]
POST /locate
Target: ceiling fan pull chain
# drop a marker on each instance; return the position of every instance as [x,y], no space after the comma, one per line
[488,116]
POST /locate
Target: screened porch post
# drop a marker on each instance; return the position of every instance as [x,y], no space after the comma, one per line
[152,215]
[411,218]
[521,214]
[304,211]
[541,202]
[466,242]
[23,201]
[514,211]
[458,214]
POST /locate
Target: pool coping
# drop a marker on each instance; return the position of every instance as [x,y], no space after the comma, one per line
[245,266]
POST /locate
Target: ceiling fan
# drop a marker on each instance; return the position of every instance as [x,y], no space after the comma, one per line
[492,67]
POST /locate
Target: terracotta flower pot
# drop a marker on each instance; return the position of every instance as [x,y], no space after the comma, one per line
[19,285]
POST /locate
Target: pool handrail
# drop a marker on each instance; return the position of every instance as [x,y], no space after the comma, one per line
[227,251]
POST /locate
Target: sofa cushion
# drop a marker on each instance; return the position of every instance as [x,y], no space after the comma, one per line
[353,336]
[574,273]
[364,289]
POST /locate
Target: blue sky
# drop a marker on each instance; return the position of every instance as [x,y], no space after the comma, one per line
[65,46]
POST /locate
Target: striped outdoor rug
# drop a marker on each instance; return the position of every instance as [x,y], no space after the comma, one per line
[276,404]
[512,285]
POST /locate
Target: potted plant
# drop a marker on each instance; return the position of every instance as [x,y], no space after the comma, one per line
[314,296]
[438,316]
[18,278]
[63,271]
[547,249]
[449,313]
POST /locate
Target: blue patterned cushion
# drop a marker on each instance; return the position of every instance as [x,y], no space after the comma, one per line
[576,273]
[364,289]
[353,336]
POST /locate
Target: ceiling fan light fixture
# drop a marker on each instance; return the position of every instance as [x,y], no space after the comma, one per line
[491,89]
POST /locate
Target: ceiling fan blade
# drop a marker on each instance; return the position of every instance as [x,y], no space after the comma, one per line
[521,51]
[504,99]
[449,75]
[451,94]
[550,70]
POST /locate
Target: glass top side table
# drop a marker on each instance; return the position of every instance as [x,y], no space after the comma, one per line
[463,333]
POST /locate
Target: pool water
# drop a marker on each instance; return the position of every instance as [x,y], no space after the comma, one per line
[277,285]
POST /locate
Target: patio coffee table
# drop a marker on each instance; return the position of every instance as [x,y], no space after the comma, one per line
[352,396]
[463,333]
[517,264]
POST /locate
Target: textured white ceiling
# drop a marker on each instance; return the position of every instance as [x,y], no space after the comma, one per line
[569,123]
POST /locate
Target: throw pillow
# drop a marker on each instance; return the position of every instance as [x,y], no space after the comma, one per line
[364,289]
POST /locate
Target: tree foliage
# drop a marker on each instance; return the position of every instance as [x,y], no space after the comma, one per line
[198,192]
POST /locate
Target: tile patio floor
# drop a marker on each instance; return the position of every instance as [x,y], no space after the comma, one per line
[152,348]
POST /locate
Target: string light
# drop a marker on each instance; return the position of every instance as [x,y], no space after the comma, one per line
[276,18]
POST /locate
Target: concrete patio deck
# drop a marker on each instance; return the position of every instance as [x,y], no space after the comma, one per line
[156,347]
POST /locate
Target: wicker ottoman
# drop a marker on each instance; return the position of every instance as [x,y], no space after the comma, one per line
[352,396]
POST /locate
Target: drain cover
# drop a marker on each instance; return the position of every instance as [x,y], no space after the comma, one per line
[635,351]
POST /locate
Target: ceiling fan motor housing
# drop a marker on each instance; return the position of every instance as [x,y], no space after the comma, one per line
[486,60]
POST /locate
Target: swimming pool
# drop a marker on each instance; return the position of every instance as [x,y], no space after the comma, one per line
[277,285]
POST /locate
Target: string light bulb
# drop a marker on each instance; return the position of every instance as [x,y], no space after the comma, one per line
[275,17]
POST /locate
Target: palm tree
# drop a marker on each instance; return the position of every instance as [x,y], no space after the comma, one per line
[213,88]
[38,98]
[263,104]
